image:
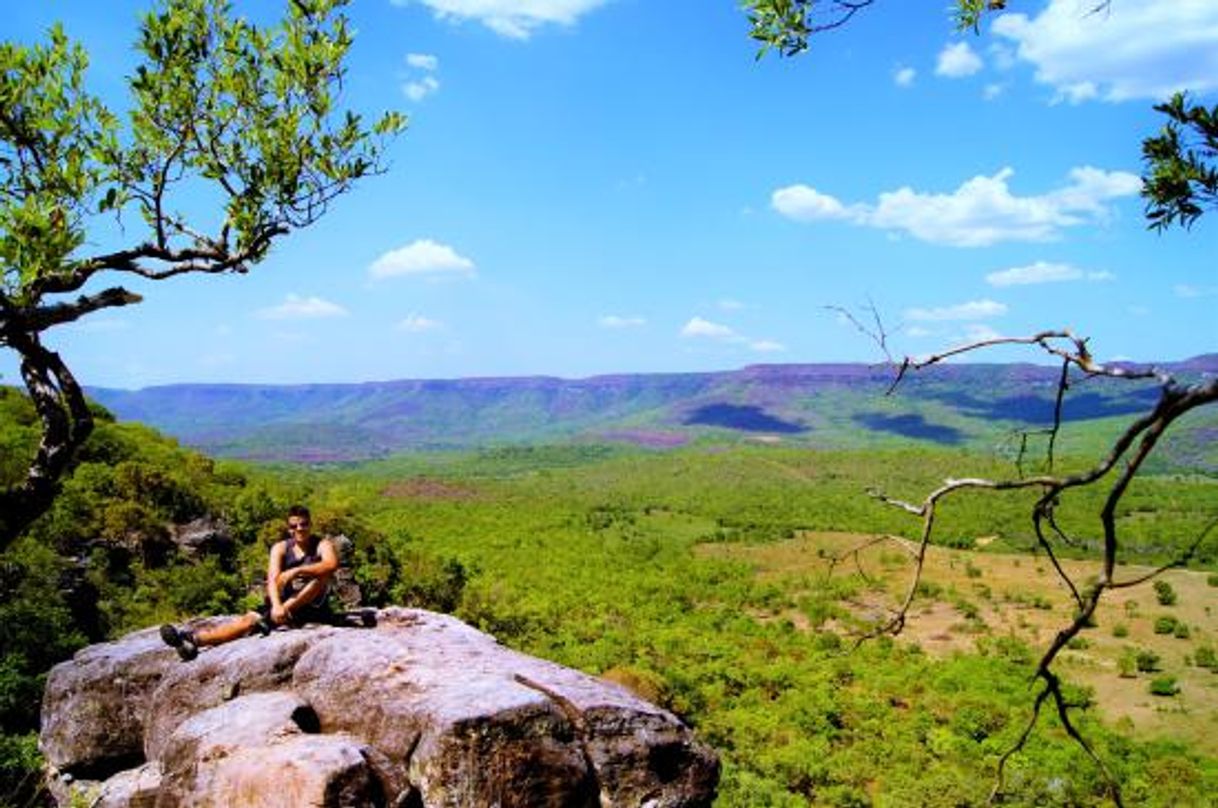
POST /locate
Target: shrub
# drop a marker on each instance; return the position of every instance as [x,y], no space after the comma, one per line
[1165,624]
[972,570]
[1127,665]
[1165,593]
[20,767]
[1120,630]
[1164,686]
[1181,632]
[1078,643]
[1205,657]
[1212,579]
[1147,661]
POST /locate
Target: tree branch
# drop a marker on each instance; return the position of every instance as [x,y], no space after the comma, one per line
[44,317]
[1133,446]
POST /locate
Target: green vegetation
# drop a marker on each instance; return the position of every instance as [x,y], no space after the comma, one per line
[601,559]
[1164,686]
[103,561]
[1164,593]
[1165,624]
[1147,661]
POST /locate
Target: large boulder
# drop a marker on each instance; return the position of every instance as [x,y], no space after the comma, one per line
[203,536]
[420,711]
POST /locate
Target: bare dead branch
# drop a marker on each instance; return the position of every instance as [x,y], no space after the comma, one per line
[876,332]
[1063,384]
[999,777]
[1176,562]
[1129,451]
[1037,516]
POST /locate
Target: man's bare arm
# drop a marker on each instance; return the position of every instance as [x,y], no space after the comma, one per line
[274,568]
[322,567]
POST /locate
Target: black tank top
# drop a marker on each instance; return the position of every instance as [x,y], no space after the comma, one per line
[293,558]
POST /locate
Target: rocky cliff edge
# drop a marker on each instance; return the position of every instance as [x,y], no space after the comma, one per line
[421,711]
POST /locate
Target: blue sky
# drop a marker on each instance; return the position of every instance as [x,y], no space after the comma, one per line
[601,186]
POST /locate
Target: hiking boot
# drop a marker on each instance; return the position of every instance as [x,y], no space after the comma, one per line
[180,640]
[367,618]
[263,626]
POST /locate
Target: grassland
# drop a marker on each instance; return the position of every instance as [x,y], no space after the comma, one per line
[971,597]
[699,578]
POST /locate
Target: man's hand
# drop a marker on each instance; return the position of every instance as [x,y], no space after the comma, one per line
[280,615]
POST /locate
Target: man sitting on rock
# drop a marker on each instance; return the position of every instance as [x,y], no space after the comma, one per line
[297,582]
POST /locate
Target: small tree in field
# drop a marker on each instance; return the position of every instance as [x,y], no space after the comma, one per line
[220,109]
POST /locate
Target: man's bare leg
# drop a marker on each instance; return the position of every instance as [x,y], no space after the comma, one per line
[312,591]
[227,632]
[187,642]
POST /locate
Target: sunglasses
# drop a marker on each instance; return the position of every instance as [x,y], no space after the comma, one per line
[298,525]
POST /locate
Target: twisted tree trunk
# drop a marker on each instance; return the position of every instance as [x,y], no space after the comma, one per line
[66,425]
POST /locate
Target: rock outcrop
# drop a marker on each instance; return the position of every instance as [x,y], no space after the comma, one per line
[421,711]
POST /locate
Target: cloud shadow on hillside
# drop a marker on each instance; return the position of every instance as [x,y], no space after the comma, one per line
[746,418]
[909,426]
[1037,410]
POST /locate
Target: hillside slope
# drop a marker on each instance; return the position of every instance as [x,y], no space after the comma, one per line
[830,405]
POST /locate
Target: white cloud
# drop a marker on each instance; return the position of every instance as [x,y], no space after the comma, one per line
[697,327]
[918,331]
[806,204]
[957,61]
[904,76]
[1137,49]
[617,321]
[418,90]
[730,304]
[423,258]
[973,310]
[639,180]
[417,87]
[516,19]
[417,324]
[423,61]
[1002,56]
[1044,272]
[1040,272]
[981,212]
[296,307]
[1188,290]
[992,91]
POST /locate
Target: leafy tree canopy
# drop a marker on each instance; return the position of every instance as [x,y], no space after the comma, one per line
[220,108]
